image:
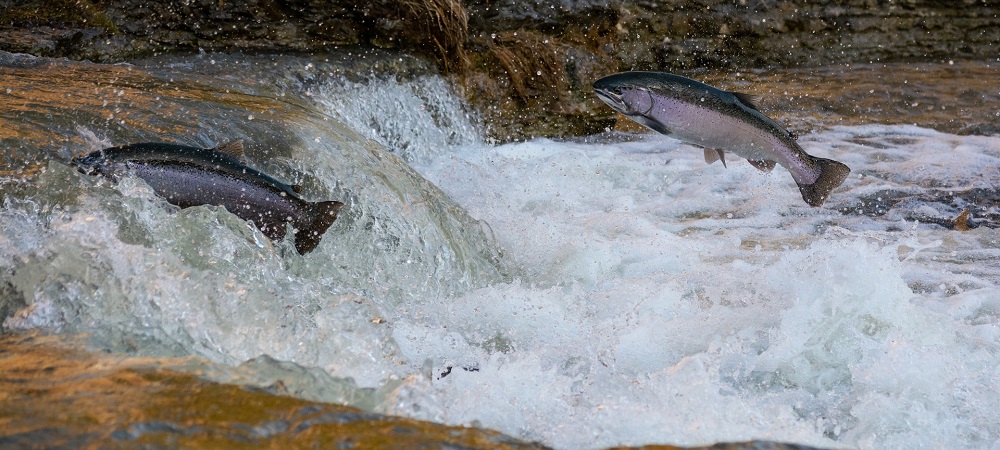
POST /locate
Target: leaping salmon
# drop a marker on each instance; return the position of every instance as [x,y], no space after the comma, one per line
[191,176]
[719,121]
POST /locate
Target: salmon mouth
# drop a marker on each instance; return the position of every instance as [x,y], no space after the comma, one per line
[88,164]
[612,99]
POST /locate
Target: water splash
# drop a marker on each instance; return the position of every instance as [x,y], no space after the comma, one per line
[138,274]
[418,120]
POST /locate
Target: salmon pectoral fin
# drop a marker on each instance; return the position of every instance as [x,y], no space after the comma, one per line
[762,165]
[323,214]
[715,154]
[832,173]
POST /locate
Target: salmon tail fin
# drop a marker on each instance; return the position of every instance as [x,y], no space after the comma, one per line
[832,173]
[323,214]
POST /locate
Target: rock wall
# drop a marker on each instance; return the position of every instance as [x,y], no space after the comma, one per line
[526,65]
[114,30]
[757,33]
[532,63]
[595,38]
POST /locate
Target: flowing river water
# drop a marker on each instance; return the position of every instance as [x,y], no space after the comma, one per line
[598,291]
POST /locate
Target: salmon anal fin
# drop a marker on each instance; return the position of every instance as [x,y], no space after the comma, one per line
[762,165]
[715,154]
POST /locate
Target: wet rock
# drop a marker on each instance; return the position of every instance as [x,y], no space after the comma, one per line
[956,210]
[125,29]
[11,300]
[144,402]
[49,400]
[525,64]
[754,33]
[532,64]
[912,93]
[551,15]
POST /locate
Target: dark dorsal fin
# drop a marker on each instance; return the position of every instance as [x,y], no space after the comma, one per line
[233,148]
[746,99]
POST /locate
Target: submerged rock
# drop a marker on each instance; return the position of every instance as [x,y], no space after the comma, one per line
[49,400]
[146,402]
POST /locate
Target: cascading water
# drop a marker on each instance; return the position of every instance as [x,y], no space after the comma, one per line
[119,263]
[613,290]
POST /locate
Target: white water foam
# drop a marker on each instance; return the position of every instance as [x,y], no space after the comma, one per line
[663,300]
[416,120]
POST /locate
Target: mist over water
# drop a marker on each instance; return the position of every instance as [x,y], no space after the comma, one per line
[612,290]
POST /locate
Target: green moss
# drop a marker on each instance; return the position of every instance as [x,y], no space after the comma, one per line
[58,13]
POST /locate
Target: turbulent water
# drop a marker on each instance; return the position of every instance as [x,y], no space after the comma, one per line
[612,290]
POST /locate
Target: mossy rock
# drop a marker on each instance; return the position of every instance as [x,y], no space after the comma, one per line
[57,13]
